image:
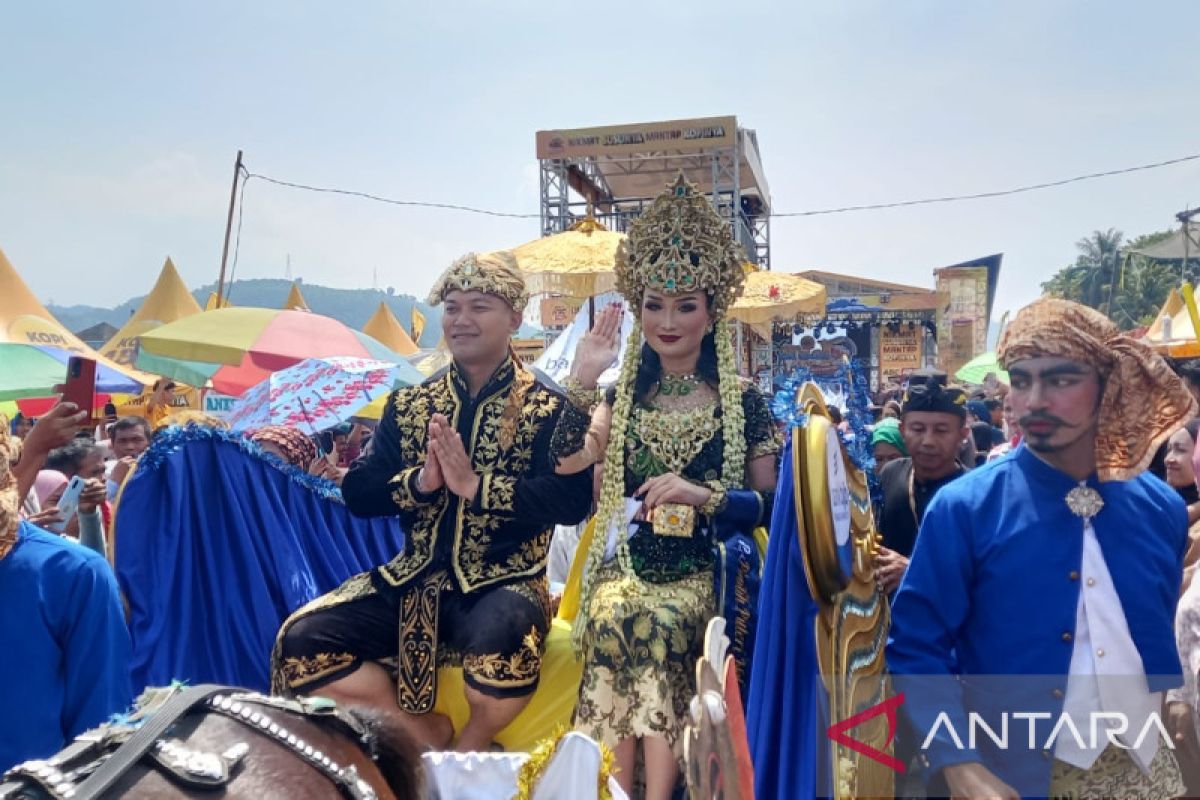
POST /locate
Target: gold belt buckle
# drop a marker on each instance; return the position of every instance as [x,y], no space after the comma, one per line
[674,519]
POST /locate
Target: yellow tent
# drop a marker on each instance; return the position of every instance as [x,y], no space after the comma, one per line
[418,324]
[168,301]
[211,303]
[24,320]
[295,300]
[384,326]
[1172,332]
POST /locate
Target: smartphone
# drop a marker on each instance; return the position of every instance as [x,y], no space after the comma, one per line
[68,504]
[80,387]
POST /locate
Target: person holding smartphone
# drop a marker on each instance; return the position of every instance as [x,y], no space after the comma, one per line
[62,627]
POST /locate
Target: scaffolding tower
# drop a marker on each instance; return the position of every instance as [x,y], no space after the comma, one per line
[613,172]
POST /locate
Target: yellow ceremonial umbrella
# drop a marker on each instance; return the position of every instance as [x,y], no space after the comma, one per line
[578,262]
[1172,332]
[768,296]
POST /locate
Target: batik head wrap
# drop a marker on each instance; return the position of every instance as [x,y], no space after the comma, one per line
[1142,401]
[491,273]
[10,503]
[298,450]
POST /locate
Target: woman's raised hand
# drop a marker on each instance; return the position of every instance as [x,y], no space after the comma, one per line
[599,347]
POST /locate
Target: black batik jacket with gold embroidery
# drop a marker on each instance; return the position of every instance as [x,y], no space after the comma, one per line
[503,533]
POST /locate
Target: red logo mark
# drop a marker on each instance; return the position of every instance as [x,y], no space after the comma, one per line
[838,732]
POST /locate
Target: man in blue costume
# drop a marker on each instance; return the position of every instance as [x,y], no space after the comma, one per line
[65,665]
[1050,578]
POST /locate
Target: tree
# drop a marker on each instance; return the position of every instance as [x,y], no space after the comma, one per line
[1129,289]
[1090,280]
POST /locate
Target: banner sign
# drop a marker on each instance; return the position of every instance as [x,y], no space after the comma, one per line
[218,405]
[686,135]
[899,351]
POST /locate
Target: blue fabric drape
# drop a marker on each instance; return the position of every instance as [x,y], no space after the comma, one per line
[785,713]
[216,543]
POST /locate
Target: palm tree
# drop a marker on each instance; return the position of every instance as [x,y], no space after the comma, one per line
[1100,257]
[1091,280]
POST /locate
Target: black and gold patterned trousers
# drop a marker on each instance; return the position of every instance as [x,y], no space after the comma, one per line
[496,635]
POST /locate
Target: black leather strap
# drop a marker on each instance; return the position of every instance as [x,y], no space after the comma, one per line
[143,739]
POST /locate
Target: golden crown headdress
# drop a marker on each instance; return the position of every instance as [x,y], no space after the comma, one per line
[681,245]
[491,273]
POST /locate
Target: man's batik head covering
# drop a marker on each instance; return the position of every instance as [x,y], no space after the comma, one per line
[10,503]
[1142,401]
[298,450]
[491,273]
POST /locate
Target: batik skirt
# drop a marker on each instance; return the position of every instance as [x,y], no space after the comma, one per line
[640,652]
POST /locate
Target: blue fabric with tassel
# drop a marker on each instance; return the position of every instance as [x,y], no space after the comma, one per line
[216,543]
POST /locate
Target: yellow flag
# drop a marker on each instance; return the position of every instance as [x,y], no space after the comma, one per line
[418,325]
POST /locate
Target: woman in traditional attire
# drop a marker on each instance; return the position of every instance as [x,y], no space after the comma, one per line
[698,449]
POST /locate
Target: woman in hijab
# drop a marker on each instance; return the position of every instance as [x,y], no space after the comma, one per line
[887,443]
[48,488]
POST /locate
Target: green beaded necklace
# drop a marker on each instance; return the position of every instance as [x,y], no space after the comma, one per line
[678,385]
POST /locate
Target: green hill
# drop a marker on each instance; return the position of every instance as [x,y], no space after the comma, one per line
[352,307]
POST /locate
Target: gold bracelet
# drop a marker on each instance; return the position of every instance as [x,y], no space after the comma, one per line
[581,398]
[716,502]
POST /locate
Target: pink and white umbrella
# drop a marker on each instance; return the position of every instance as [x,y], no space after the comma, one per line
[316,394]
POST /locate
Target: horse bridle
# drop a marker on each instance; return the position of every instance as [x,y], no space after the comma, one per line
[241,707]
[99,774]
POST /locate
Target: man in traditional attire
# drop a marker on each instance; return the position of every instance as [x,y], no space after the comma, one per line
[1051,578]
[932,424]
[464,459]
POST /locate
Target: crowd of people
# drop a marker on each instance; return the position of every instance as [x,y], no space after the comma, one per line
[1024,532]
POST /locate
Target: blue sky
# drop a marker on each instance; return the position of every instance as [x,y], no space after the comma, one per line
[121,121]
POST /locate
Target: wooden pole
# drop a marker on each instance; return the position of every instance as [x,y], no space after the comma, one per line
[237,172]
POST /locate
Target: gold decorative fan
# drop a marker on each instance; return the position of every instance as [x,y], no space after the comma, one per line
[838,539]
